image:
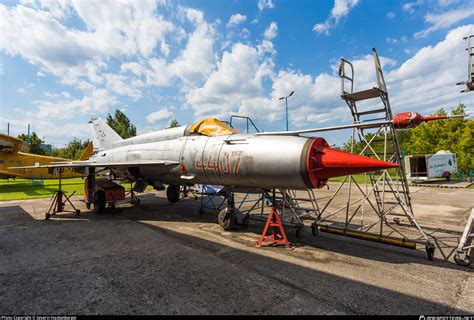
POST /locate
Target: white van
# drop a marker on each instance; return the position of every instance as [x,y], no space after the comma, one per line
[442,164]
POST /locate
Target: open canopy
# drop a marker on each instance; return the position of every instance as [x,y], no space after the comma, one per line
[211,127]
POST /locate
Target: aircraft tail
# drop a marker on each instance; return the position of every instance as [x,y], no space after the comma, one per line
[87,152]
[105,136]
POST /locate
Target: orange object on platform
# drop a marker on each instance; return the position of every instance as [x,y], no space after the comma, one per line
[278,233]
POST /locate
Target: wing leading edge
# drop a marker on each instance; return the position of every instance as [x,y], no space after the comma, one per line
[94,164]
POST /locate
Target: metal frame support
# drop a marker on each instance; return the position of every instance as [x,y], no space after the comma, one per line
[386,192]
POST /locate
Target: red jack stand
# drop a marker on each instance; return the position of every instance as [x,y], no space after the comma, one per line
[278,234]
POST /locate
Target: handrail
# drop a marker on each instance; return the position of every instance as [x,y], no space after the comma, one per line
[247,122]
[342,75]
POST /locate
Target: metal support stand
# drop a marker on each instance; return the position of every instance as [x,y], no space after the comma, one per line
[133,197]
[58,204]
[278,233]
[461,256]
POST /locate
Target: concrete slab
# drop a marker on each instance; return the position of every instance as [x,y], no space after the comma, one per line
[159,258]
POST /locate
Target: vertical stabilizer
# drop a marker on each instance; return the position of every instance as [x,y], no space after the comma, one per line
[87,152]
[105,136]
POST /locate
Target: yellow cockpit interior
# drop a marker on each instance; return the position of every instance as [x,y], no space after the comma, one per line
[212,127]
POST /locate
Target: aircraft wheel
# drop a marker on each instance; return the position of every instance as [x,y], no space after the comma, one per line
[99,202]
[314,230]
[226,218]
[462,259]
[299,232]
[78,212]
[246,220]
[430,249]
[172,193]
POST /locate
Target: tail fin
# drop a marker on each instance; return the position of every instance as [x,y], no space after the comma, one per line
[105,136]
[87,152]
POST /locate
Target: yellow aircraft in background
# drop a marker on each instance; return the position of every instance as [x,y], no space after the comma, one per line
[13,153]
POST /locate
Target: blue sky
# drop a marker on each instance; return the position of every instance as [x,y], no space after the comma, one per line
[65,61]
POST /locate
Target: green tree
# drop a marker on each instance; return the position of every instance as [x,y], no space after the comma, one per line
[35,143]
[121,124]
[73,150]
[173,124]
[455,135]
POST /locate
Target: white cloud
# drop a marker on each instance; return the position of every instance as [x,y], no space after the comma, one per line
[426,81]
[119,85]
[444,20]
[59,9]
[272,31]
[112,29]
[163,114]
[322,28]
[265,4]
[410,6]
[238,78]
[236,19]
[391,15]
[445,3]
[392,40]
[341,9]
[196,61]
[98,102]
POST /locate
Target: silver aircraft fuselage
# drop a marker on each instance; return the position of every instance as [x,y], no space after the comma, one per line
[243,160]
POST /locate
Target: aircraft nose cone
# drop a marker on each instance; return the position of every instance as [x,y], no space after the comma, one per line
[338,163]
[324,163]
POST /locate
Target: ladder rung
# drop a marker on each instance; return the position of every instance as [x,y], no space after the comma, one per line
[374,119]
[382,140]
[363,113]
[363,95]
[390,191]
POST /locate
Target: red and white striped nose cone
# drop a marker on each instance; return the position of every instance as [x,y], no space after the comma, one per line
[324,163]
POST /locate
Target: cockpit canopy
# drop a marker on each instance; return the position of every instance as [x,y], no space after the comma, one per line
[212,127]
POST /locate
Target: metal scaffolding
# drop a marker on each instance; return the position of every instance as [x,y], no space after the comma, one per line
[470,71]
[373,211]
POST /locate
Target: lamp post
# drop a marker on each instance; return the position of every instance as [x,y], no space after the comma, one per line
[286,104]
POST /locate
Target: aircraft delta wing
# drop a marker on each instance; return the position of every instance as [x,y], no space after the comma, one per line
[93,164]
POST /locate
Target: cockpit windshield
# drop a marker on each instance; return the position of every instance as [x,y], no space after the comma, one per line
[211,127]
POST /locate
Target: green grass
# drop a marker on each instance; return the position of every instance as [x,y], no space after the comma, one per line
[20,189]
[359,178]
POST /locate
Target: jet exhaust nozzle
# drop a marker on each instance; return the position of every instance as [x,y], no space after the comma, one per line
[324,163]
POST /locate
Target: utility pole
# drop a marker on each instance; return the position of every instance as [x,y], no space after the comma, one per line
[286,104]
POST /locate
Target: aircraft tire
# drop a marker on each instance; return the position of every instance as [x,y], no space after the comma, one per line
[99,202]
[462,259]
[226,218]
[172,193]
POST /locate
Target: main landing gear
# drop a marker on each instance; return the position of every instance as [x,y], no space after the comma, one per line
[173,192]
